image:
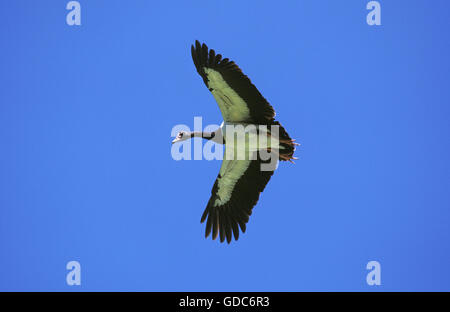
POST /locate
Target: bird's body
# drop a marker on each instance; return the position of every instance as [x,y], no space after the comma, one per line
[251,136]
[245,138]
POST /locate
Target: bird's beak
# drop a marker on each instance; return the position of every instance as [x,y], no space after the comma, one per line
[175,141]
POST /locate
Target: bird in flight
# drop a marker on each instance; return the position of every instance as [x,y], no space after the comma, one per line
[240,181]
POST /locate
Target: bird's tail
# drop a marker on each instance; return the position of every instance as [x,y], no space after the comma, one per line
[286,152]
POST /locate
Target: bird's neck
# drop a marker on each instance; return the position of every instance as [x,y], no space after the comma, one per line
[202,134]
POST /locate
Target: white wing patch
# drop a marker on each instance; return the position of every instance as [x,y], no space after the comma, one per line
[230,171]
[232,106]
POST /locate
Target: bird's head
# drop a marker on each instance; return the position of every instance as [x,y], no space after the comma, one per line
[181,136]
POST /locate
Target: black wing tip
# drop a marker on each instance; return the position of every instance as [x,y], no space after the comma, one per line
[220,224]
[206,57]
[203,57]
[198,44]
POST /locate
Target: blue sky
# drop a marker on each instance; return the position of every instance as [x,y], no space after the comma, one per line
[86,171]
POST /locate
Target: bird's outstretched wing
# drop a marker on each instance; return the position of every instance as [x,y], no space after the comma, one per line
[239,100]
[234,194]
